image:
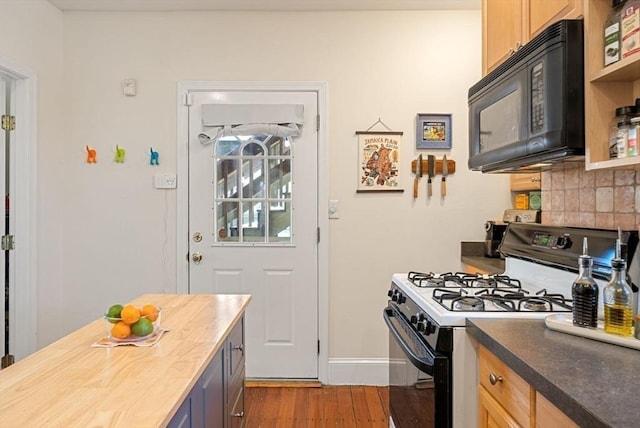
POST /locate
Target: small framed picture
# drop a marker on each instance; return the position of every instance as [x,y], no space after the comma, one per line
[433,131]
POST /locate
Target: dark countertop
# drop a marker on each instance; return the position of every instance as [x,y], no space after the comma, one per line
[472,254]
[594,383]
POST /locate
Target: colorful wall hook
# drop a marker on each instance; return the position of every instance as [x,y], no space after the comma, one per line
[154,158]
[91,155]
[119,158]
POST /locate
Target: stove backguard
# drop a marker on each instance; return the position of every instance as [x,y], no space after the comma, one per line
[560,247]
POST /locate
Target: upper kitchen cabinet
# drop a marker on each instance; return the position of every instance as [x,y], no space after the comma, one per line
[606,88]
[525,182]
[509,24]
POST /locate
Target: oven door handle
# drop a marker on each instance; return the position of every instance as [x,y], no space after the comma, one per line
[424,363]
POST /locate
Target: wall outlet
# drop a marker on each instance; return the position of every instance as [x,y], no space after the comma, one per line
[164,181]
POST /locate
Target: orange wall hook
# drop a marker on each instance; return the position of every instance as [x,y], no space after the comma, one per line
[91,155]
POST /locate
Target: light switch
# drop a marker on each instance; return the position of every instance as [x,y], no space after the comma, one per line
[129,87]
[334,208]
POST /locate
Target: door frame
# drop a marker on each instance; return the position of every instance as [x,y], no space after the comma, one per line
[182,196]
[23,190]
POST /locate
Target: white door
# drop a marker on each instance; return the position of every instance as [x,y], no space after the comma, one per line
[5,110]
[253,227]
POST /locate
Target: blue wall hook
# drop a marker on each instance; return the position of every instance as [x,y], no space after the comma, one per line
[155,157]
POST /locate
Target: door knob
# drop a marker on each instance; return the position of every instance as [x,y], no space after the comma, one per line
[197,257]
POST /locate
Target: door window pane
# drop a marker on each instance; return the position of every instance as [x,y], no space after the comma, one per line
[253,190]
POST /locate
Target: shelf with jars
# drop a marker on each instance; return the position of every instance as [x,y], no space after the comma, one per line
[606,88]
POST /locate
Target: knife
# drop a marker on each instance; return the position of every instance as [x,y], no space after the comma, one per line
[445,171]
[418,176]
[431,171]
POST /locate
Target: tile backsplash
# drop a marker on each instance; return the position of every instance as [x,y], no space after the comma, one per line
[605,198]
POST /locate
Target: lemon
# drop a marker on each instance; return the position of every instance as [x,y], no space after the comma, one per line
[114,312]
[142,327]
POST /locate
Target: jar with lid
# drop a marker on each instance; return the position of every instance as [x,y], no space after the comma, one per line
[618,131]
[633,132]
[630,29]
[612,33]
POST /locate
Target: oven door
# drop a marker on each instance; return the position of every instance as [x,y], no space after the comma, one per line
[419,378]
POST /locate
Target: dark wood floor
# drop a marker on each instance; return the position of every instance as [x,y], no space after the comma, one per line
[328,406]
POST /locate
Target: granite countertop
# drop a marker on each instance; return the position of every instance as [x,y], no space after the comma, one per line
[472,254]
[594,383]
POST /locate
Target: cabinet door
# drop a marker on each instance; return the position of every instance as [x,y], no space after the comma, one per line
[212,386]
[236,348]
[543,13]
[182,418]
[510,391]
[528,181]
[502,31]
[492,414]
[548,415]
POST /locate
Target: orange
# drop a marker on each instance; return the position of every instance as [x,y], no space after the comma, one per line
[120,330]
[130,314]
[150,311]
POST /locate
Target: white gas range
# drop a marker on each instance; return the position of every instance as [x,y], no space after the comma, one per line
[427,313]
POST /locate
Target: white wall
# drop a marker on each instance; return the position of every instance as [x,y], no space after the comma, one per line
[390,65]
[31,34]
[119,232]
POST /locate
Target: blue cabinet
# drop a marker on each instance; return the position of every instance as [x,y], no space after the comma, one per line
[217,399]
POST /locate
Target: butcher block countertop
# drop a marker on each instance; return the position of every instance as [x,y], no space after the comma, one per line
[71,384]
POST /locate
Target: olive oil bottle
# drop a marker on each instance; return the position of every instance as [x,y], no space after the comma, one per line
[617,297]
[585,292]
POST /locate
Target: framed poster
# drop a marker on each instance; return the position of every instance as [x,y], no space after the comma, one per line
[378,161]
[433,131]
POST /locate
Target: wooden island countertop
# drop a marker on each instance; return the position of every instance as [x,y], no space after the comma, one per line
[71,384]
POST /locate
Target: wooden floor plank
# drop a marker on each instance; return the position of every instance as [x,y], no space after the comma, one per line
[301,408]
[361,407]
[315,416]
[345,408]
[376,407]
[328,406]
[286,407]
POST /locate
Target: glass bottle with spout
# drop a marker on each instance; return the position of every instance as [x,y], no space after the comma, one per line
[585,292]
[618,298]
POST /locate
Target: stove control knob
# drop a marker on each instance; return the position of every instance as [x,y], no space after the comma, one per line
[414,319]
[429,328]
[401,298]
[422,317]
[390,293]
[421,326]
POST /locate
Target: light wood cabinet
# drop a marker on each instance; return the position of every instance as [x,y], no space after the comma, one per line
[509,390]
[507,400]
[606,88]
[548,415]
[525,182]
[492,414]
[509,24]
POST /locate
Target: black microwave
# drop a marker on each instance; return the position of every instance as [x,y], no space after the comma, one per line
[529,111]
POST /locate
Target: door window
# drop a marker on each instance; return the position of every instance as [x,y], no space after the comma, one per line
[253,190]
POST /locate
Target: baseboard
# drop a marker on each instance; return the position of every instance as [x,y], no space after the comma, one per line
[278,383]
[358,371]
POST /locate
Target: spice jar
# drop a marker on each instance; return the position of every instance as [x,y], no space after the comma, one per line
[612,33]
[618,131]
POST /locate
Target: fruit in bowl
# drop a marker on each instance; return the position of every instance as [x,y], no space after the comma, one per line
[131,323]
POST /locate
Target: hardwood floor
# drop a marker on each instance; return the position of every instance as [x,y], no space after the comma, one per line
[328,406]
